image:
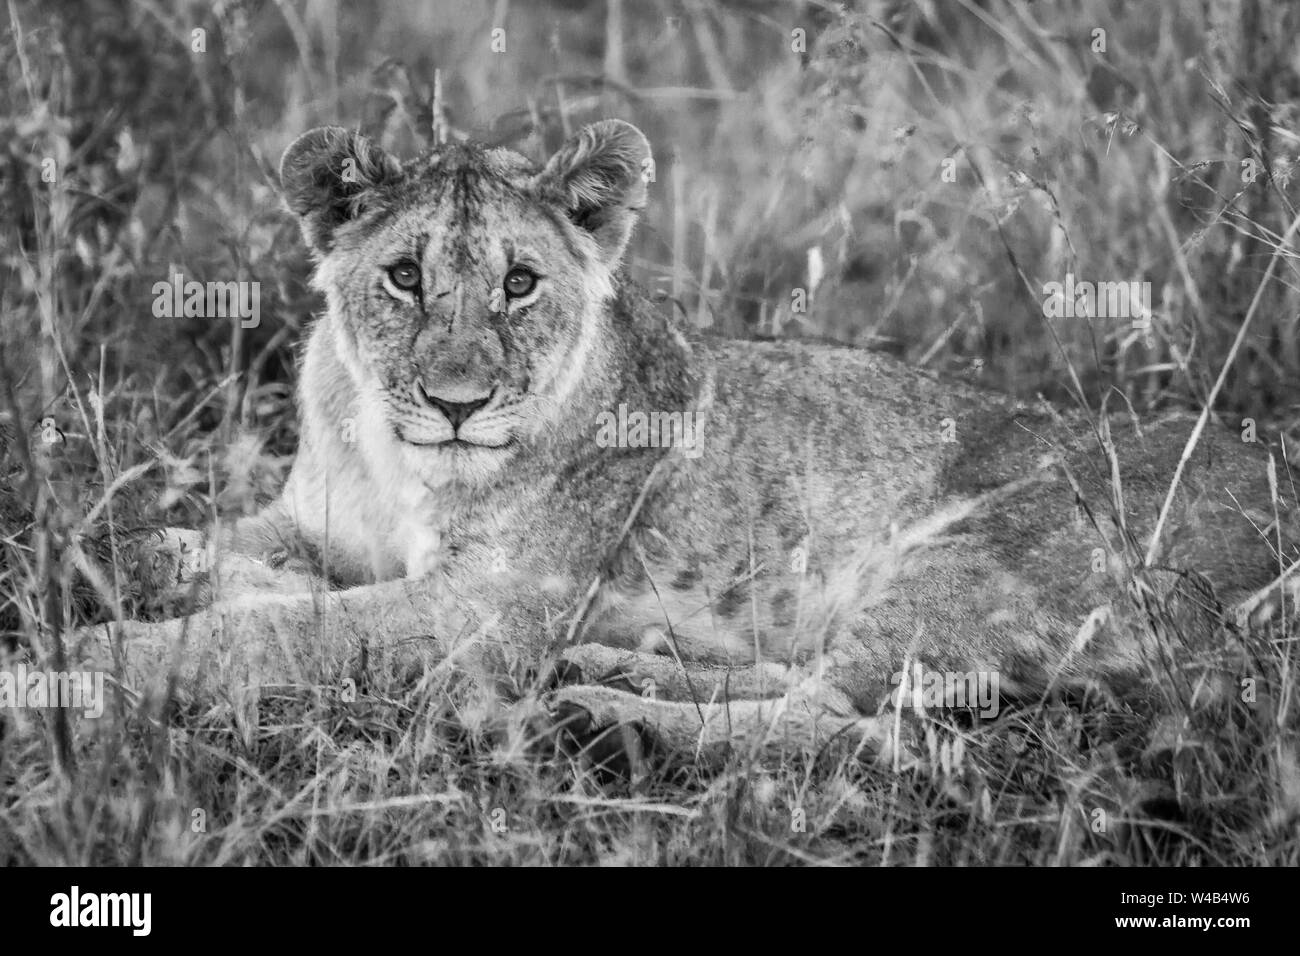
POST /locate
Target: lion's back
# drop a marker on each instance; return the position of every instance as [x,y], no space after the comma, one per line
[835,481]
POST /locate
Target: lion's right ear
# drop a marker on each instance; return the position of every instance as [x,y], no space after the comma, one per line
[327,174]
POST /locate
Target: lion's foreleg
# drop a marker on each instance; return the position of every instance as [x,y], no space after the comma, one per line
[258,640]
[708,709]
[712,729]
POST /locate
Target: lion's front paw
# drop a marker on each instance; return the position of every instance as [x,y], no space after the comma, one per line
[617,749]
[169,569]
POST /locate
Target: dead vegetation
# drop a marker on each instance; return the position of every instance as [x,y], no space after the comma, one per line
[917,170]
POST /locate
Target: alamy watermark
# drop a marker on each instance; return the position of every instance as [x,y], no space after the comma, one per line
[21,689]
[208,300]
[939,690]
[130,910]
[1098,300]
[624,429]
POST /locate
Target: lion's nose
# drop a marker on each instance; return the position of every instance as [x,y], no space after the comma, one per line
[457,412]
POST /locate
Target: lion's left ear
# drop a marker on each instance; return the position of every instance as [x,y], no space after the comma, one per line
[599,177]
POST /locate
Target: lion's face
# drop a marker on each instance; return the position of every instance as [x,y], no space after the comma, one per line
[466,288]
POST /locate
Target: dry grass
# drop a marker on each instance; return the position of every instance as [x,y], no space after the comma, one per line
[779,170]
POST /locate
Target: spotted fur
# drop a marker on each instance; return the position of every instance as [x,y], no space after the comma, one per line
[843,513]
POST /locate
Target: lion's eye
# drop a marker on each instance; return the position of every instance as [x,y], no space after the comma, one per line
[519,282]
[405,275]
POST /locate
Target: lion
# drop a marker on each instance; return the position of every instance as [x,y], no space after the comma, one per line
[509,452]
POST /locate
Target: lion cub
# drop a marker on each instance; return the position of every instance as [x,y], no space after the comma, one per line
[503,427]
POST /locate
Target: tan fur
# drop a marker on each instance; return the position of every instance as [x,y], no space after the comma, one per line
[841,514]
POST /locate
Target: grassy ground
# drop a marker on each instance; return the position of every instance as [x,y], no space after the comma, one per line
[915,171]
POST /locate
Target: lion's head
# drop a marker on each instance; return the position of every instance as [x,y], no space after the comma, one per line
[466,288]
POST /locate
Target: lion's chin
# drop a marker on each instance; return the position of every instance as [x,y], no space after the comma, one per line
[456,461]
